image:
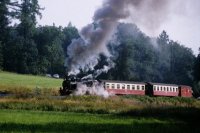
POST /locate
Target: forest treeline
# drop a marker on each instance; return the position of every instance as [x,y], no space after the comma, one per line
[28,48]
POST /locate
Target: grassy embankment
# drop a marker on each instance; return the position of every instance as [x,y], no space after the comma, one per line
[22,84]
[114,114]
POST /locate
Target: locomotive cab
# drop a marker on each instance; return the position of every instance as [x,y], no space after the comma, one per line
[69,85]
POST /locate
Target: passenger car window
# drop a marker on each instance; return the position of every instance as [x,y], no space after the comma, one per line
[128,87]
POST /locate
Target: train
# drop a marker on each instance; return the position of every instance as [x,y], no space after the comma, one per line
[114,87]
[146,88]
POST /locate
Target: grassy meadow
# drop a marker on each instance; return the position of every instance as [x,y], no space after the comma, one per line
[20,84]
[35,106]
[29,81]
[37,121]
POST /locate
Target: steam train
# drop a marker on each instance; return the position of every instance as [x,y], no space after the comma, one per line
[130,88]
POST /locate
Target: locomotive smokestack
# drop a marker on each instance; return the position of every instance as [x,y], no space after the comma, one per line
[83,53]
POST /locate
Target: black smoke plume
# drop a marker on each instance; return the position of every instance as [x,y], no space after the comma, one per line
[83,53]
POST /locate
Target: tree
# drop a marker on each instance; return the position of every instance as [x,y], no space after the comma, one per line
[11,52]
[3,20]
[8,10]
[163,38]
[137,58]
[49,41]
[163,57]
[174,61]
[197,67]
[1,56]
[26,29]
[196,74]
[70,32]
[133,54]
[182,61]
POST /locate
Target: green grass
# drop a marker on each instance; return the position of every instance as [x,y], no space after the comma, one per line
[73,104]
[28,85]
[37,121]
[36,107]
[29,81]
[165,101]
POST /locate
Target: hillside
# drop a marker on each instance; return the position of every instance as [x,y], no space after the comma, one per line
[30,81]
[25,84]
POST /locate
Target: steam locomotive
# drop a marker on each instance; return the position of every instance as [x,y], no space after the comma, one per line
[69,85]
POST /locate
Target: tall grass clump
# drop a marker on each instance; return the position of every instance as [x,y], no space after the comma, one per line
[165,101]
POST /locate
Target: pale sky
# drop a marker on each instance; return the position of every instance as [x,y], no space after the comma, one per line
[181,27]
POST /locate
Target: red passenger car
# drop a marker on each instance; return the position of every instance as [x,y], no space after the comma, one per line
[159,89]
[124,87]
[185,91]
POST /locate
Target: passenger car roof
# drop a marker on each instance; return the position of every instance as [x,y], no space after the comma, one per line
[162,84]
[126,82]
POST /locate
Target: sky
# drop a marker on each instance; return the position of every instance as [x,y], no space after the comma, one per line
[182,25]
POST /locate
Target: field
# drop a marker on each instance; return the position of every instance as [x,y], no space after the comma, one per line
[34,106]
[36,121]
[17,83]
[29,81]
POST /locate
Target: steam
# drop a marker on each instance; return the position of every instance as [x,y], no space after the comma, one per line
[96,89]
[83,53]
[87,77]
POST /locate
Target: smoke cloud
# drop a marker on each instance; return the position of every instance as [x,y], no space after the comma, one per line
[96,89]
[83,53]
